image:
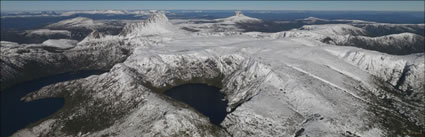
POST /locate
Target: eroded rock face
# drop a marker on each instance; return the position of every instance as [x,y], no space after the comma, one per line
[157,24]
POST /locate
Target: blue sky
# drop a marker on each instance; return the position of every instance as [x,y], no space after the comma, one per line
[214,5]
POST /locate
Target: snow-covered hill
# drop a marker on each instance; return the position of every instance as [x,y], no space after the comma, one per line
[348,35]
[315,20]
[78,22]
[290,83]
[398,44]
[381,29]
[81,27]
[334,29]
[107,12]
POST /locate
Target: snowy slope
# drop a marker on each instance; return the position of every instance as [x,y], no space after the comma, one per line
[398,44]
[229,24]
[334,29]
[247,79]
[315,20]
[107,12]
[289,83]
[8,44]
[78,22]
[404,74]
[348,35]
[381,29]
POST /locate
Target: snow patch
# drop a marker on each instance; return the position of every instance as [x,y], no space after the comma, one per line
[60,43]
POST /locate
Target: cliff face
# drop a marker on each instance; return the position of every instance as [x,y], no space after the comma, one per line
[156,24]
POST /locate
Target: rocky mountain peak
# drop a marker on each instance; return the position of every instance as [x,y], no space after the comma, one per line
[238,13]
[92,36]
[157,17]
[157,23]
[95,34]
[239,17]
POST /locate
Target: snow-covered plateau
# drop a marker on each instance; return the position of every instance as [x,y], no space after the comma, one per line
[327,80]
[79,23]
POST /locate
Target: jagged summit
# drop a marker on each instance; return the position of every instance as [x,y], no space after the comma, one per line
[157,17]
[238,13]
[239,17]
[92,36]
[157,23]
[95,34]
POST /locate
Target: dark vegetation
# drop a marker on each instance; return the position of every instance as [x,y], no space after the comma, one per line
[397,123]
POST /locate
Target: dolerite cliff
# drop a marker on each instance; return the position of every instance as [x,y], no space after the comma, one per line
[156,24]
[276,84]
[93,36]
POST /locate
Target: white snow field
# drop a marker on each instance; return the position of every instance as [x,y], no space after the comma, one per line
[78,22]
[60,43]
[284,84]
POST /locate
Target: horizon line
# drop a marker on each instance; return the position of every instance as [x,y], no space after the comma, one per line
[214,10]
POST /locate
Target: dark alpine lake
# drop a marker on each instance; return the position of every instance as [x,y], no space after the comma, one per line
[16,114]
[206,99]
